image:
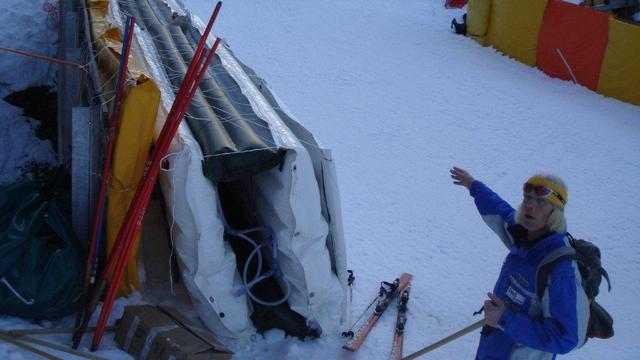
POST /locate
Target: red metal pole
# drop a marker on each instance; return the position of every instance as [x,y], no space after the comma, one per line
[106,167]
[127,231]
[138,205]
[115,252]
[144,191]
[91,265]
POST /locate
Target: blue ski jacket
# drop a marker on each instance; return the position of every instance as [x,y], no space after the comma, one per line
[530,329]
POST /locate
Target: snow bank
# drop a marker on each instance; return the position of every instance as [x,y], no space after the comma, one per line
[23,26]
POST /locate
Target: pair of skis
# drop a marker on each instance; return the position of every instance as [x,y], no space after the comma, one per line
[398,289]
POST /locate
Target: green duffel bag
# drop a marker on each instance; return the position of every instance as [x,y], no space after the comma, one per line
[41,270]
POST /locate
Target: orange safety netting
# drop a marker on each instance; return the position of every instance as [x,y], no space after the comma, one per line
[572,42]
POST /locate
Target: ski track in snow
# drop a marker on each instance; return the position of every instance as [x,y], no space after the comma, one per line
[400,99]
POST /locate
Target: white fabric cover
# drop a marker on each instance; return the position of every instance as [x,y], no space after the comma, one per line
[207,262]
[291,201]
[288,201]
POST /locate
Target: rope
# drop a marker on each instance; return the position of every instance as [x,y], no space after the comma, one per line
[42,57]
[274,271]
[183,153]
[4,281]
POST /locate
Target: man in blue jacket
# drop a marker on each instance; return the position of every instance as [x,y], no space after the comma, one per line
[517,324]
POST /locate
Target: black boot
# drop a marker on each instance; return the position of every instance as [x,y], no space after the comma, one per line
[460,28]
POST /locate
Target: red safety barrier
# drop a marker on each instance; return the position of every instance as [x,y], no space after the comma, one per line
[572,42]
[455,4]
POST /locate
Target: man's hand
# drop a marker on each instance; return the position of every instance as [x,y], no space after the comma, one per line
[493,309]
[461,177]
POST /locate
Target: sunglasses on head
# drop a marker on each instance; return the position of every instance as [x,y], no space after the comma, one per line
[541,190]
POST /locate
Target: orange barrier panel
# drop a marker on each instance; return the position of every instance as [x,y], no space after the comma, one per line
[572,42]
[620,74]
[514,27]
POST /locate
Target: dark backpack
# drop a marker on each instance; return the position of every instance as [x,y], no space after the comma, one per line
[587,255]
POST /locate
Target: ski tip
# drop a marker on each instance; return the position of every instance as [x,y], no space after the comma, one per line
[405,278]
[349,348]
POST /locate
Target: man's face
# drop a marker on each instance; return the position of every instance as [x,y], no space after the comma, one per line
[535,211]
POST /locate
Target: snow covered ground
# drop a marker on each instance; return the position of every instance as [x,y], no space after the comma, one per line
[17,133]
[400,100]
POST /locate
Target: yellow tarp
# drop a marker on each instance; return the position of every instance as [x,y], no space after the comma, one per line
[478,13]
[138,117]
[105,59]
[514,27]
[620,72]
[130,156]
[107,44]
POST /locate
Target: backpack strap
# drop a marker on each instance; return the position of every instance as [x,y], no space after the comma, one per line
[603,272]
[548,263]
[605,275]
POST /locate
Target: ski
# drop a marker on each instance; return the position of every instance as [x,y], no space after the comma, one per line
[398,337]
[384,300]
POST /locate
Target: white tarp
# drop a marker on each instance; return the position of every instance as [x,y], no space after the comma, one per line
[304,215]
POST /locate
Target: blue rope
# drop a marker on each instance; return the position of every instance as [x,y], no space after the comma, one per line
[274,271]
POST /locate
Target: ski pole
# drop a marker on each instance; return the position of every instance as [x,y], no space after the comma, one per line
[381,292]
[350,281]
[445,340]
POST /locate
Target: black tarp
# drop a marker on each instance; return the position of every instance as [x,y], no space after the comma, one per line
[40,256]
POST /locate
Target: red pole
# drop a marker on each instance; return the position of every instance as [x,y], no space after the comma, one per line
[89,277]
[115,252]
[138,205]
[126,230]
[144,191]
[106,167]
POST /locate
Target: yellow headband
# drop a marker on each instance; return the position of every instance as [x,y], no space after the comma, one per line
[559,201]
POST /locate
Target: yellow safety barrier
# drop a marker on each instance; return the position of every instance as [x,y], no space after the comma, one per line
[478,15]
[620,72]
[514,28]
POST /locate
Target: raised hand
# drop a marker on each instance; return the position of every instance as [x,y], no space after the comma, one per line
[461,177]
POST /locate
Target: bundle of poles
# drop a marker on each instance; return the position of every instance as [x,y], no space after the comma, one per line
[118,258]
